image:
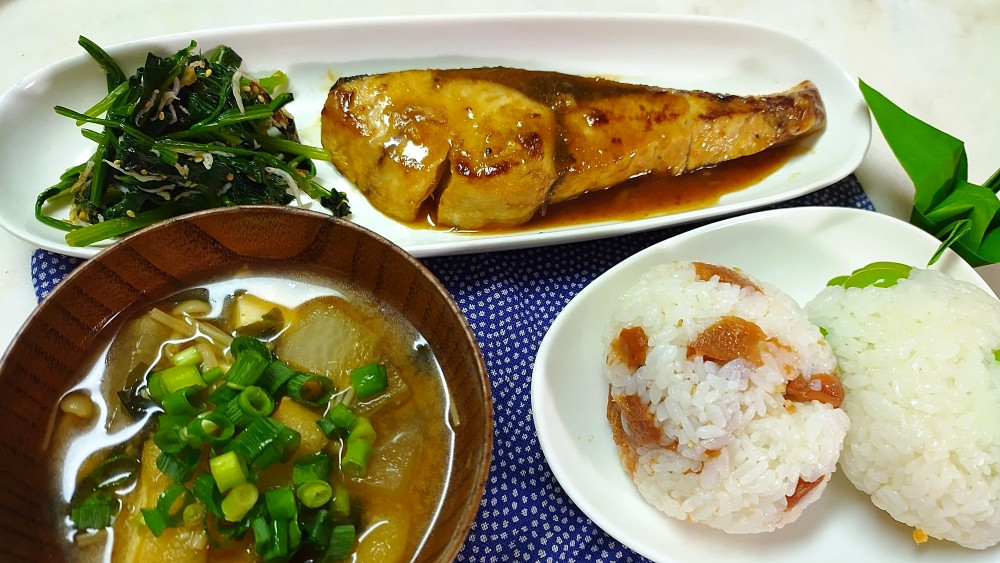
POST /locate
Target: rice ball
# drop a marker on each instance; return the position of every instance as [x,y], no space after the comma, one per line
[920,369]
[722,398]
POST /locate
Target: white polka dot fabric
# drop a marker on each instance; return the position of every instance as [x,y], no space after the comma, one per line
[511,299]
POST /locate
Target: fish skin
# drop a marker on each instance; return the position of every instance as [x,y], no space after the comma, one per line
[495,145]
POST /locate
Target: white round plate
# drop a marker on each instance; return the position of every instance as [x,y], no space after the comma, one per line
[798,250]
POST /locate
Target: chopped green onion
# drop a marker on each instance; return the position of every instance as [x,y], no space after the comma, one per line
[261,532]
[179,466]
[314,494]
[235,413]
[255,401]
[275,375]
[167,503]
[204,489]
[239,501]
[309,389]
[355,459]
[362,429]
[281,503]
[114,471]
[996,355]
[246,369]
[179,377]
[212,375]
[169,439]
[175,421]
[193,513]
[312,467]
[279,540]
[342,416]
[179,402]
[268,457]
[319,527]
[212,427]
[294,534]
[341,542]
[96,512]
[341,505]
[155,520]
[328,428]
[241,344]
[223,395]
[251,442]
[369,380]
[288,440]
[154,385]
[228,470]
[189,356]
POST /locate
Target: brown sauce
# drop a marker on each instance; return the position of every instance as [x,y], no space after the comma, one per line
[644,196]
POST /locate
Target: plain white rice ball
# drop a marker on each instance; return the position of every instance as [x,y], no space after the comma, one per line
[699,359]
[923,392]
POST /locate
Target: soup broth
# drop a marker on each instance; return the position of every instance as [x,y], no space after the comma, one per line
[312,328]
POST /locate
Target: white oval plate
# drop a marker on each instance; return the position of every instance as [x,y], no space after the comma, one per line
[796,249]
[715,55]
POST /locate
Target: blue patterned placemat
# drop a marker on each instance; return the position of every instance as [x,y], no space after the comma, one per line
[511,299]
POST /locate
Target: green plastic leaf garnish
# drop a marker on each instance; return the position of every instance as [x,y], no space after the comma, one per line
[839,280]
[878,274]
[963,215]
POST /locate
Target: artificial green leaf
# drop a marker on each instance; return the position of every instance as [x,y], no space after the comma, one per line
[965,216]
[977,203]
[933,159]
[948,236]
[994,182]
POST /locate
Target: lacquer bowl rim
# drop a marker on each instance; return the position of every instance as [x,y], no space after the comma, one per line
[467,513]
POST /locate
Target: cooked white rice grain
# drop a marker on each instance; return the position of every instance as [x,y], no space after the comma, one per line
[923,393]
[716,440]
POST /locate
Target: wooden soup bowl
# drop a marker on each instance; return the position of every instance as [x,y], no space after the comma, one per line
[63,336]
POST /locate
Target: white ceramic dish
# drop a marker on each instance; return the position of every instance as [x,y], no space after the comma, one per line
[798,250]
[715,55]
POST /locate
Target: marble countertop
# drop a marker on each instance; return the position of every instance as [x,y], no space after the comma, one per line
[935,59]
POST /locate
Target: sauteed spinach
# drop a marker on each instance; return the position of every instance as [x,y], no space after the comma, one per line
[184,133]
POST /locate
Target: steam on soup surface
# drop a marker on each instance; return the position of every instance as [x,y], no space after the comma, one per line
[256,418]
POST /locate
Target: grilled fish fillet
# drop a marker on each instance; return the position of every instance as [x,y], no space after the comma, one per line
[495,145]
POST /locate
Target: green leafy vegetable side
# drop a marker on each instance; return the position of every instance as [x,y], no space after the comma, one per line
[184,133]
[963,215]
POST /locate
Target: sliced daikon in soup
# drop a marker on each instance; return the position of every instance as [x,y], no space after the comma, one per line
[332,337]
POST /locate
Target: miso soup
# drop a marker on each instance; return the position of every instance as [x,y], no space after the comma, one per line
[260,417]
